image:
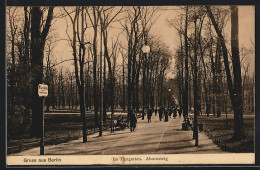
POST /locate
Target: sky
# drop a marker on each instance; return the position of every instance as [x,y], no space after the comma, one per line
[246,30]
[167,34]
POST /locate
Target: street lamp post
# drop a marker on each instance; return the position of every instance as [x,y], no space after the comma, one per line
[169,97]
[145,49]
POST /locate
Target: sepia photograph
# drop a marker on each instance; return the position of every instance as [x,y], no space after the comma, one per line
[130,85]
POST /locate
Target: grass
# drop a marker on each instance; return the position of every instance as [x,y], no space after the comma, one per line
[58,129]
[221,131]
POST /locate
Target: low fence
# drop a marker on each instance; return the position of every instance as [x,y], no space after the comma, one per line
[25,144]
[21,146]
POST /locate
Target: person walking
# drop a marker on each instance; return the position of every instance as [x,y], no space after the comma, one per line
[160,113]
[175,112]
[165,115]
[149,115]
[179,111]
[133,121]
[170,112]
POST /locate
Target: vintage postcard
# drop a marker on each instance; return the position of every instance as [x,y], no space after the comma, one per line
[130,85]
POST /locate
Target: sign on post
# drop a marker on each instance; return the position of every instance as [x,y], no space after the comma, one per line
[43,90]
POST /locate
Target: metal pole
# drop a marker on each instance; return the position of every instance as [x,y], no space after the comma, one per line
[144,86]
[42,135]
[101,88]
[168,100]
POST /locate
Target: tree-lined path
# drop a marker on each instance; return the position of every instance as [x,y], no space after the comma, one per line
[157,137]
[99,62]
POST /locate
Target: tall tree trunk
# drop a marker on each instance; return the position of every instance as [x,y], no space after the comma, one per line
[83,112]
[71,92]
[190,104]
[235,91]
[26,58]
[111,81]
[129,84]
[185,97]
[112,102]
[218,85]
[13,29]
[204,78]
[238,97]
[106,85]
[182,78]
[195,89]
[137,90]
[123,83]
[38,43]
[95,76]
[213,68]
[80,76]
[76,98]
[205,87]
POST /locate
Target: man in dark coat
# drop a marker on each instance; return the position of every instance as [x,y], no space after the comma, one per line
[165,115]
[179,111]
[149,115]
[170,112]
[133,120]
[160,113]
[175,112]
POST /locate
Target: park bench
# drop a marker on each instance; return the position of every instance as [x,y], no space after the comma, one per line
[121,122]
[187,123]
